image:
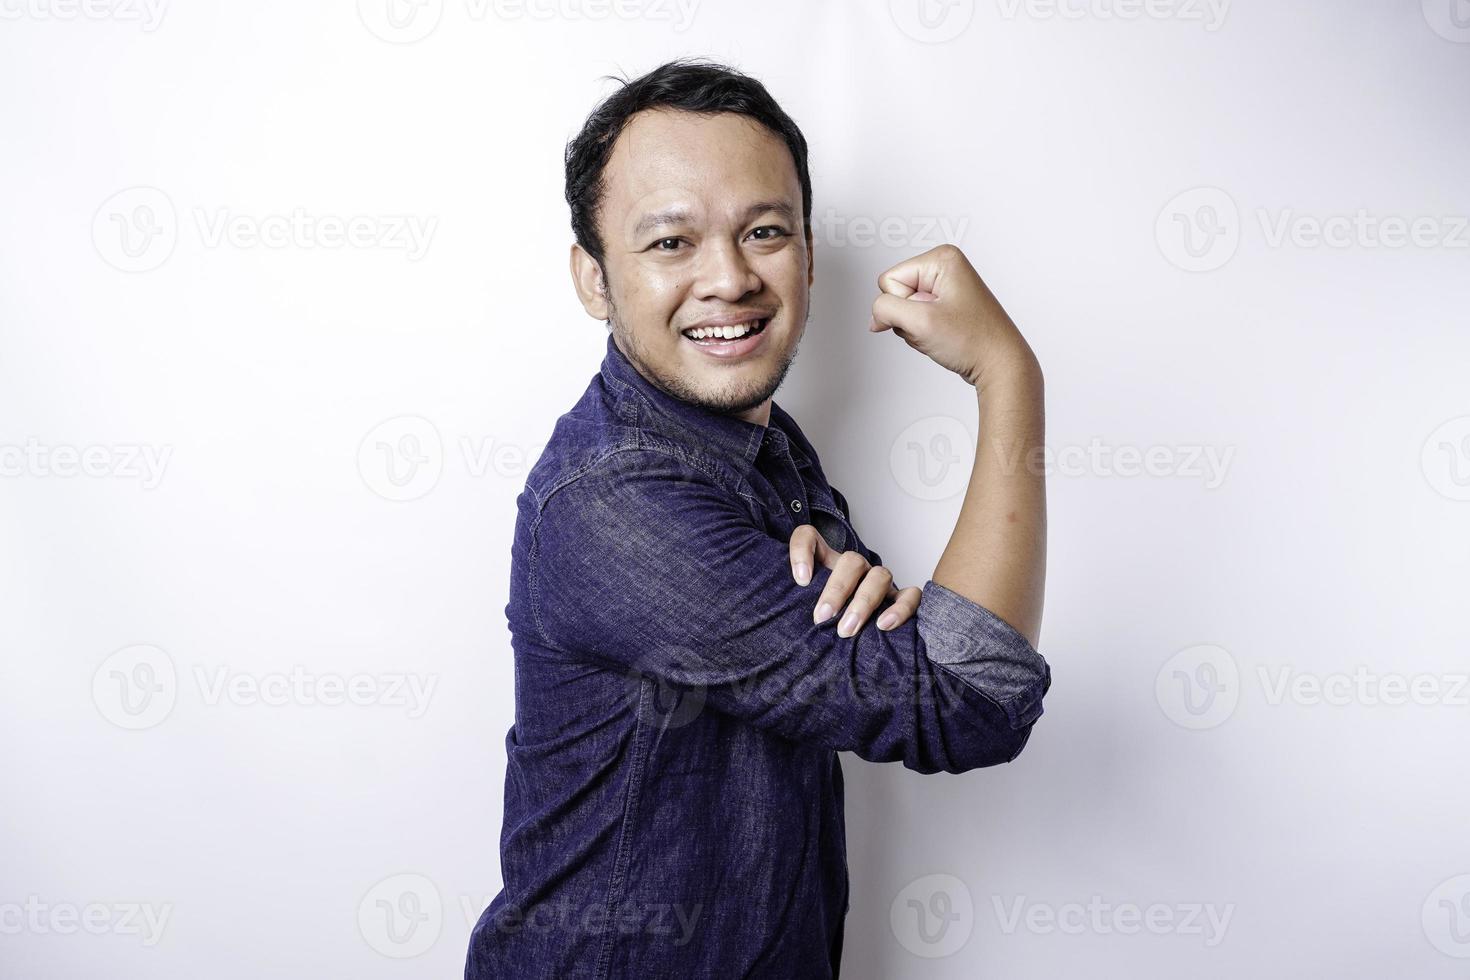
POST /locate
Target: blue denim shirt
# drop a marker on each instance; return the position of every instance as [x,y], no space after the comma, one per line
[673,797]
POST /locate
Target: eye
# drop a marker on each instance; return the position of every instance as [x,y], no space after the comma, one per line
[777,232]
[662,242]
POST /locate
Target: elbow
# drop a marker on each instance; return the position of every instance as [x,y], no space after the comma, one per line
[1016,743]
[988,732]
[992,747]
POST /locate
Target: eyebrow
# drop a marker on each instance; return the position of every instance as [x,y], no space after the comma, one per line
[675,216]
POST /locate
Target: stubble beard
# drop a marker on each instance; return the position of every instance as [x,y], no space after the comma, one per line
[742,398]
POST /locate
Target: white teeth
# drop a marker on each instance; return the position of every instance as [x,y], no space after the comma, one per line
[728,333]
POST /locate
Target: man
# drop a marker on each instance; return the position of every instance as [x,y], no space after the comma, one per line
[673,798]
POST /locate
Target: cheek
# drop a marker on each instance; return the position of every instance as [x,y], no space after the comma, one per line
[660,291]
[788,278]
[652,296]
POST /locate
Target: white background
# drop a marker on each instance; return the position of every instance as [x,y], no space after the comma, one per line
[154,762]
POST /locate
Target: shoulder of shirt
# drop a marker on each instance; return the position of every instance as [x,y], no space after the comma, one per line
[591,440]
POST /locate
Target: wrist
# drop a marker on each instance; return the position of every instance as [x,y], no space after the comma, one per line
[1018,368]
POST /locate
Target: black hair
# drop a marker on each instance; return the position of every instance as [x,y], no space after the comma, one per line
[688,84]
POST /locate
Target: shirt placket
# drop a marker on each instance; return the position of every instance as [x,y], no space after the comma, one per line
[778,467]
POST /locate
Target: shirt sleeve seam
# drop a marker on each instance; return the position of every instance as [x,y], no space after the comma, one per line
[1016,715]
[673,451]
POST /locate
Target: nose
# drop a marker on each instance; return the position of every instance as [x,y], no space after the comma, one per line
[724,274]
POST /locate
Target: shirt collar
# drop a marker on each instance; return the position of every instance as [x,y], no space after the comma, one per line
[643,403]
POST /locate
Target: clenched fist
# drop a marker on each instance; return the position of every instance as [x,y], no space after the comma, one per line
[941,307]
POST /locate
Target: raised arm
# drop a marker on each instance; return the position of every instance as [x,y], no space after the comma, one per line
[996,556]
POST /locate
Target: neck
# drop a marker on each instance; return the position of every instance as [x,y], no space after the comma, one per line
[760,415]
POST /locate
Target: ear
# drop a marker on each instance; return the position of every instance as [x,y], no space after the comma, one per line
[591,285]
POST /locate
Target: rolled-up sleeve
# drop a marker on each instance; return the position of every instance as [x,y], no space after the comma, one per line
[987,653]
[644,563]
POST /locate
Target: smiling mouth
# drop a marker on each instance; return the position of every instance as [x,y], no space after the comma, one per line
[715,336]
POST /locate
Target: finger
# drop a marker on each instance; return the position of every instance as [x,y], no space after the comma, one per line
[870,593]
[902,314]
[807,551]
[918,274]
[847,574]
[904,606]
[875,327]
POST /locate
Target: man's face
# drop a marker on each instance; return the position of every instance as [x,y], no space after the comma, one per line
[701,221]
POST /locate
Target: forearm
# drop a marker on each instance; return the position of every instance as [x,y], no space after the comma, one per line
[997,554]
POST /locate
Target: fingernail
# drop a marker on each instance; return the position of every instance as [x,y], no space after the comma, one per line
[803,573]
[886,620]
[824,612]
[848,625]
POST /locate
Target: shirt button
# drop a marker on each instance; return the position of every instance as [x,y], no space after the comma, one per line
[796,506]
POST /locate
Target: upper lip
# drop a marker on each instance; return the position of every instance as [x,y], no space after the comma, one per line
[730,319]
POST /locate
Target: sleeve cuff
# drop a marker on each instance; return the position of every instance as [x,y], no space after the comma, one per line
[984,651]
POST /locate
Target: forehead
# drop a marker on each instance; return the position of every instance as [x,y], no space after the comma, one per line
[720,161]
